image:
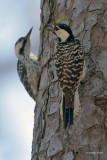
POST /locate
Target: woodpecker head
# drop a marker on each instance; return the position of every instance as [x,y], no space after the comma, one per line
[62,31]
[22,46]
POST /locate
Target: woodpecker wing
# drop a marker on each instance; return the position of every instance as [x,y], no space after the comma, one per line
[24,78]
[35,61]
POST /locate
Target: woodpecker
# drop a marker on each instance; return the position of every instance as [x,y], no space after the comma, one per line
[28,65]
[70,68]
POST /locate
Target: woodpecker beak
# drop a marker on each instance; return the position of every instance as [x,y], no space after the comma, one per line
[51,27]
[29,33]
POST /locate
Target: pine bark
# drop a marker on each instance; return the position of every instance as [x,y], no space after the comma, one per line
[87,138]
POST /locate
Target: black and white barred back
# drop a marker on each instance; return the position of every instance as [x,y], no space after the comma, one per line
[69,62]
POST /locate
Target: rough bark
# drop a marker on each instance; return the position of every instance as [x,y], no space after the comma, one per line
[87,138]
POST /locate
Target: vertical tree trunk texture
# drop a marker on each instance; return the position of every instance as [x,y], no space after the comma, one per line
[87,138]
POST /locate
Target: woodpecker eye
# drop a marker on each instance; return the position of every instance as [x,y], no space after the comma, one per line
[20,39]
[56,28]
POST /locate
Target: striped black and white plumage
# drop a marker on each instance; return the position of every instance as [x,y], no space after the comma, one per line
[70,67]
[27,66]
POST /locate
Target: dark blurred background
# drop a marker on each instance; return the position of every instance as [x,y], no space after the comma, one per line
[16,106]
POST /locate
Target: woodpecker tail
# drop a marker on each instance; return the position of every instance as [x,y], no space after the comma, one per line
[67,112]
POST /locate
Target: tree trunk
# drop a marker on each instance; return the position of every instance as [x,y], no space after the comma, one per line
[87,138]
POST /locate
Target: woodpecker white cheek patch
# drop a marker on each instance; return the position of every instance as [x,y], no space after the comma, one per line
[62,34]
[17,48]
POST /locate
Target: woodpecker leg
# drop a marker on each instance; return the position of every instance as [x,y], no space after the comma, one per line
[77,107]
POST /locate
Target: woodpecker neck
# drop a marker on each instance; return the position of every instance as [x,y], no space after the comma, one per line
[67,41]
[21,58]
[27,52]
[70,38]
[24,55]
